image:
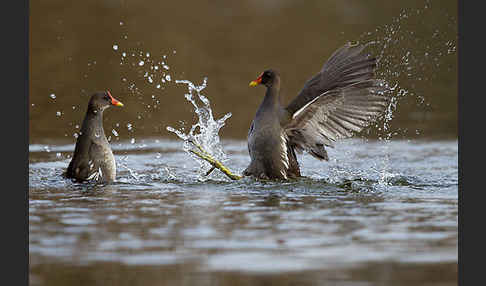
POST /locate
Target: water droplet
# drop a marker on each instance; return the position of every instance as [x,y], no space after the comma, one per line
[148,55]
[132,140]
[115,47]
[58,155]
[124,54]
[129,126]
[158,86]
[121,23]
[52,95]
[167,77]
[58,113]
[114,132]
[141,63]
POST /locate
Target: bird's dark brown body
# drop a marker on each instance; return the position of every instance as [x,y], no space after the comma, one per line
[342,99]
[92,158]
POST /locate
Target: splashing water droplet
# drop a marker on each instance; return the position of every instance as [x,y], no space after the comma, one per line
[115,47]
[114,132]
[132,140]
[207,127]
[58,113]
[52,95]
[141,63]
[167,77]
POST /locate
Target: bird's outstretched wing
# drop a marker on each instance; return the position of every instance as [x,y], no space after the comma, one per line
[336,114]
[346,66]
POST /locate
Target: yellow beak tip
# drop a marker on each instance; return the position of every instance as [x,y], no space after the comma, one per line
[253,83]
[119,104]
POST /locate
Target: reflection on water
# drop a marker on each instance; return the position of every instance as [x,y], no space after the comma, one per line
[165,227]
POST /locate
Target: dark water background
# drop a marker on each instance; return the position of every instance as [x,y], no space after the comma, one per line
[230,43]
[382,211]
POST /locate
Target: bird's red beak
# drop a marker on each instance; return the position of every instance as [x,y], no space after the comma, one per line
[113,100]
[256,81]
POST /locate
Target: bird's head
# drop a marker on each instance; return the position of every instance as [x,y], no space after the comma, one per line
[268,78]
[102,100]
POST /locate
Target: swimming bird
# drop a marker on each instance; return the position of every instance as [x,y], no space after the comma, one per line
[92,158]
[339,101]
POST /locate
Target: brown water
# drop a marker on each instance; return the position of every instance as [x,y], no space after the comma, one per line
[380,212]
[230,43]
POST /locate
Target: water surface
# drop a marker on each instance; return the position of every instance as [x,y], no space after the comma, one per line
[378,213]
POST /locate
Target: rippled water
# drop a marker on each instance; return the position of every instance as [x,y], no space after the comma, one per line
[378,213]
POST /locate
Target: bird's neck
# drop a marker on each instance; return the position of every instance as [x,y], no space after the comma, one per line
[93,124]
[272,97]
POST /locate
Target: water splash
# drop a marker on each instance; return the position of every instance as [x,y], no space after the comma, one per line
[407,58]
[121,163]
[205,131]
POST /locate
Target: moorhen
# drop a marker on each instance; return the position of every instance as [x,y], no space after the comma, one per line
[341,99]
[93,158]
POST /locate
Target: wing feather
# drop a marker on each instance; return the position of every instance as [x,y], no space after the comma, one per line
[337,114]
